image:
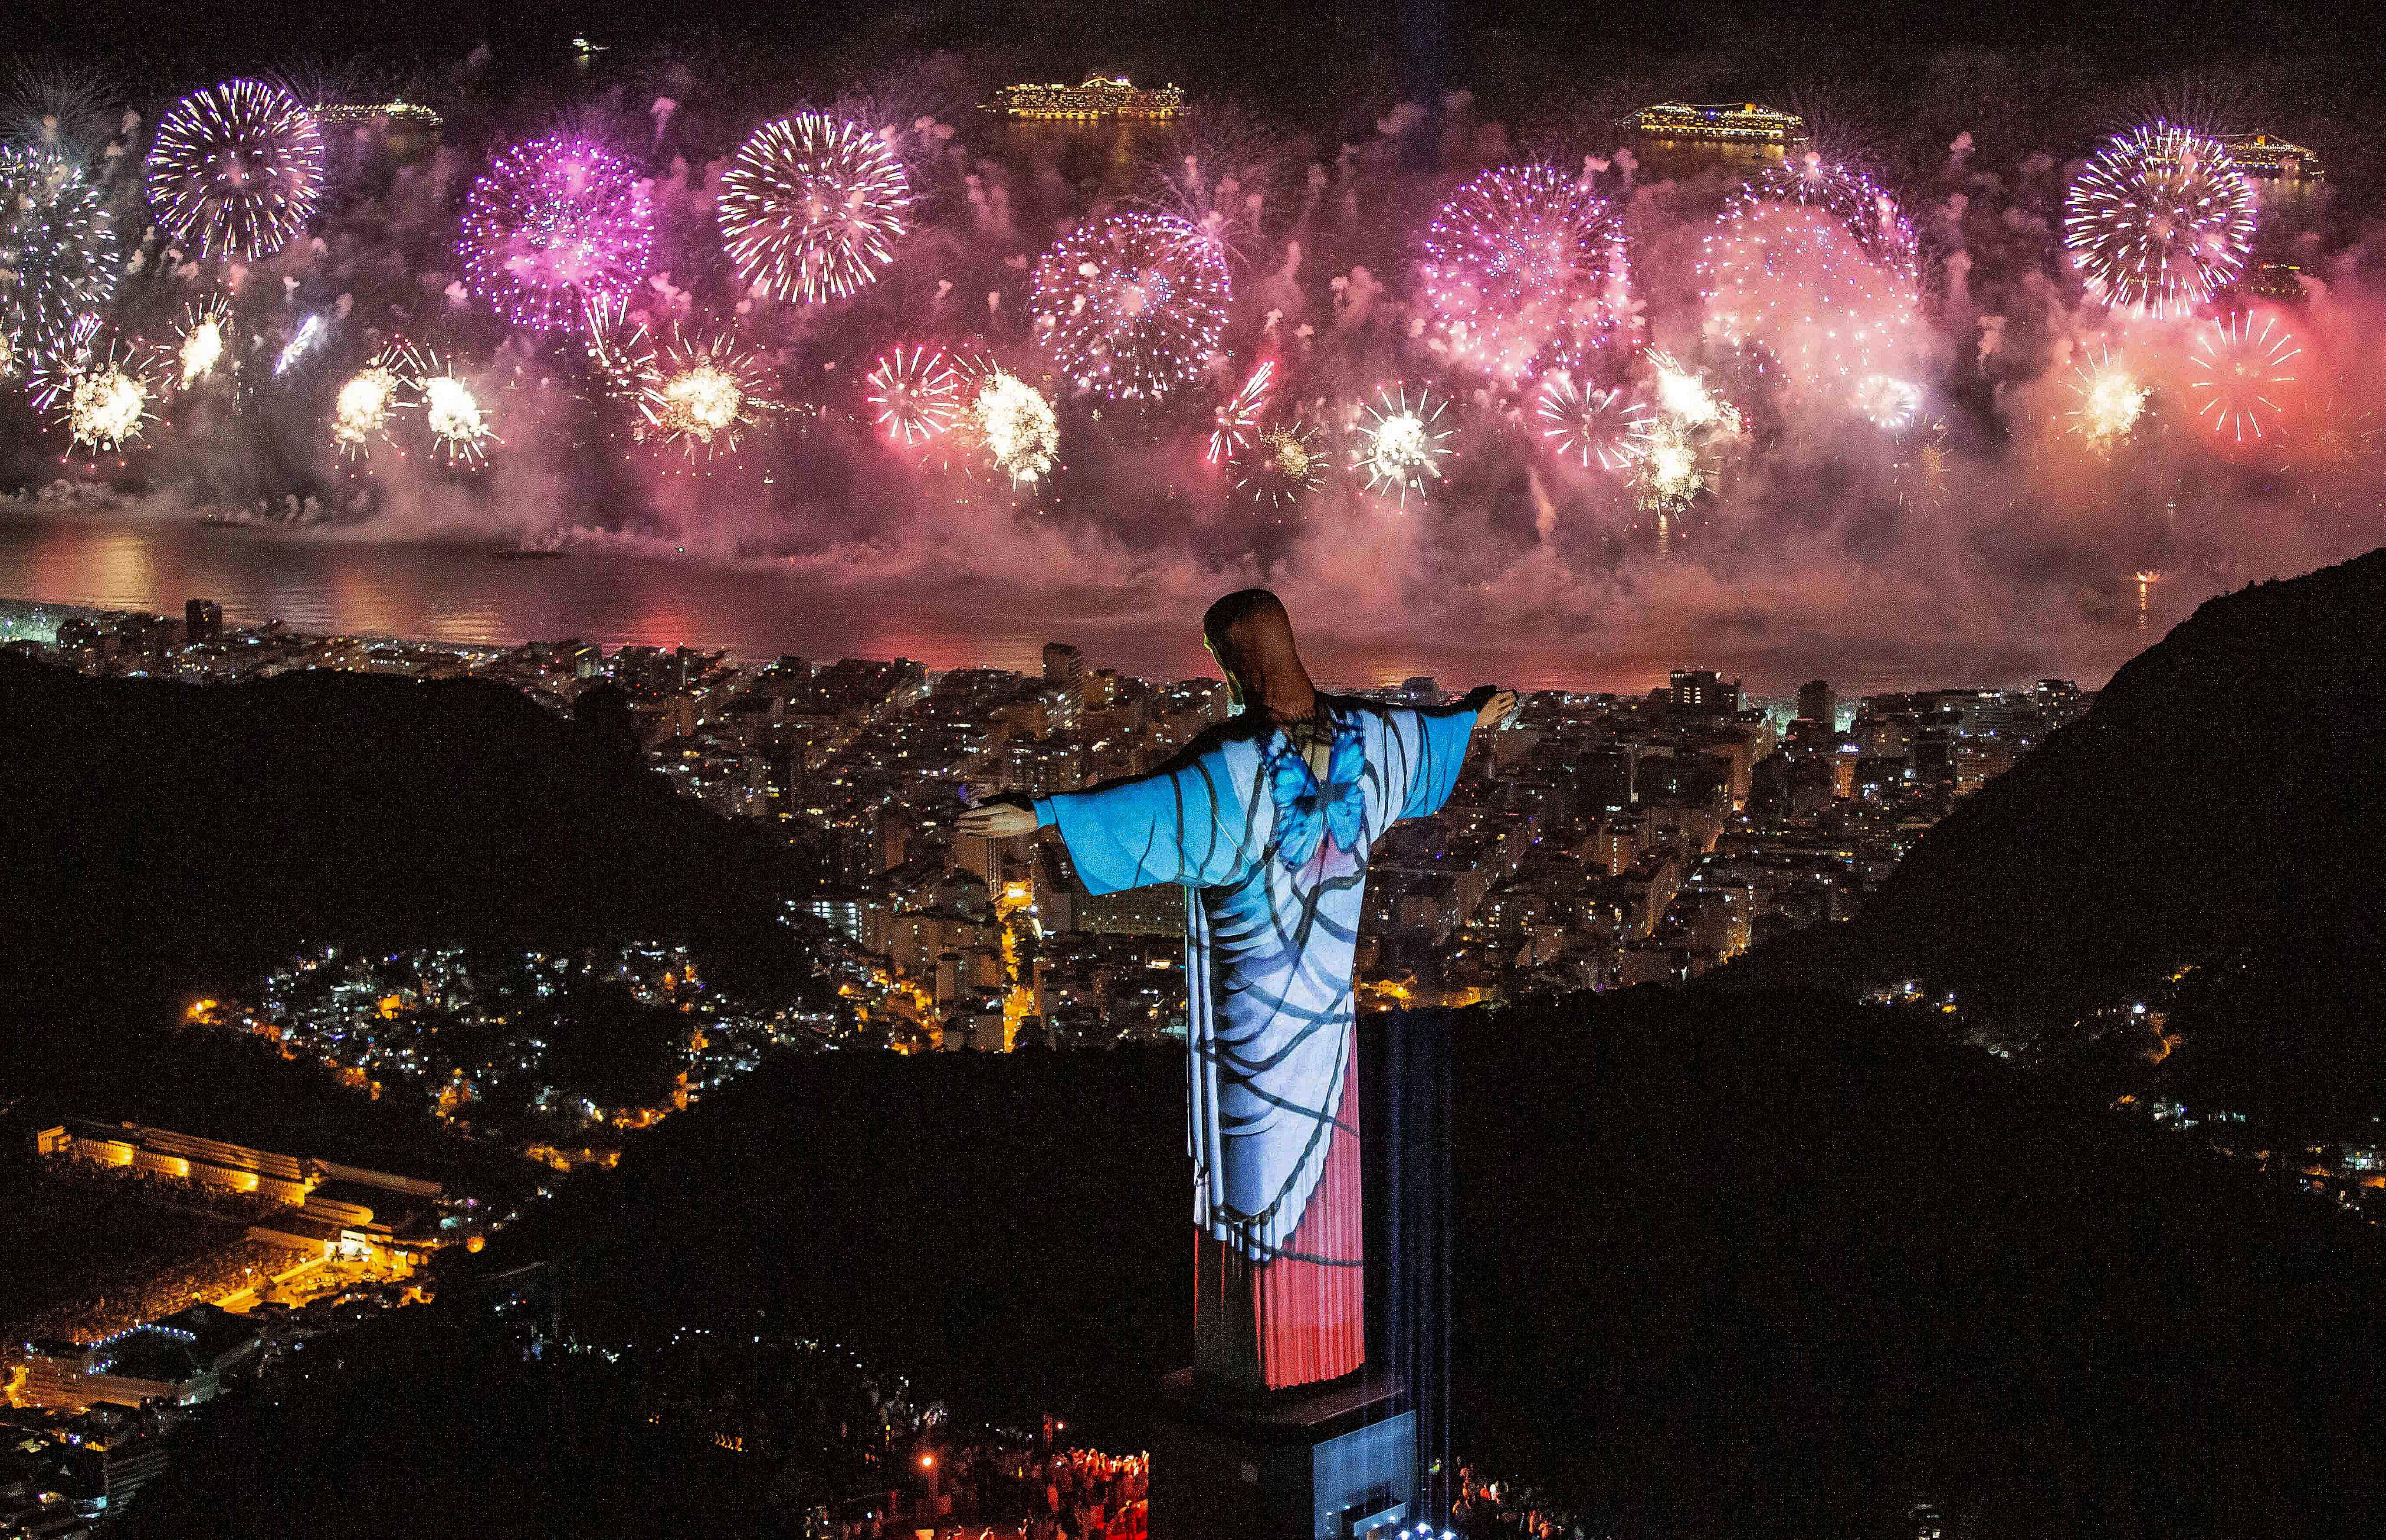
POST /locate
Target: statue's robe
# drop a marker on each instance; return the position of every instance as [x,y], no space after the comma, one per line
[1274,859]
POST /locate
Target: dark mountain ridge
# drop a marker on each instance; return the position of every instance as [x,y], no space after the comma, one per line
[2221,809]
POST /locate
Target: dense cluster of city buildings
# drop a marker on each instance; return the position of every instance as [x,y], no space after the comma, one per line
[1600,840]
[555,1055]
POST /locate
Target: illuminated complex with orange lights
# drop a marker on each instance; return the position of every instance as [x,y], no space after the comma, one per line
[1722,123]
[1099,96]
[334,1220]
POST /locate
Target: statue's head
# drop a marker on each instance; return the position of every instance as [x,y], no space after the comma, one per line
[1250,635]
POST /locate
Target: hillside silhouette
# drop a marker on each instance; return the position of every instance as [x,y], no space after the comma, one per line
[161,839]
[1764,1265]
[2222,809]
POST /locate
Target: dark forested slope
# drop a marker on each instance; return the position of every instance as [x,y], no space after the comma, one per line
[158,837]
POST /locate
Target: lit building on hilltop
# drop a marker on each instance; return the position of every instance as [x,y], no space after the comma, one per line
[1716,123]
[1099,96]
[2266,158]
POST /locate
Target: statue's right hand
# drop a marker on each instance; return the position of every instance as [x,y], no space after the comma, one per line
[996,818]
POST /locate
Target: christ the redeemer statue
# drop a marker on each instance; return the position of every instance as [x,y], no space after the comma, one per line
[1267,820]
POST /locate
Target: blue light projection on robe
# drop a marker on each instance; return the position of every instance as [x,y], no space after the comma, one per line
[1276,869]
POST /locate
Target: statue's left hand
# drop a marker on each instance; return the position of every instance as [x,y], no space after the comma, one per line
[1494,710]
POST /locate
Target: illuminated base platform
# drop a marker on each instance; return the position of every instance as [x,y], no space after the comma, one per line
[1338,1462]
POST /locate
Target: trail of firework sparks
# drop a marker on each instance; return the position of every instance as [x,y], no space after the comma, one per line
[1238,417]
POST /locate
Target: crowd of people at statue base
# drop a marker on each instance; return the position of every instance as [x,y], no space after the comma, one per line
[1487,1510]
[1014,1492]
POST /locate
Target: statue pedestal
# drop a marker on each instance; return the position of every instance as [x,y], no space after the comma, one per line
[1335,1461]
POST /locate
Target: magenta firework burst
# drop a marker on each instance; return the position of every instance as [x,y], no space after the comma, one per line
[1237,416]
[1594,426]
[1516,258]
[1131,306]
[558,226]
[236,168]
[812,207]
[2160,220]
[915,394]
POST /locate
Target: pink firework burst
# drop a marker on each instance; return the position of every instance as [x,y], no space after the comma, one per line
[915,394]
[557,227]
[1237,416]
[1862,207]
[1815,265]
[1517,259]
[2160,220]
[1130,307]
[1594,426]
[2241,370]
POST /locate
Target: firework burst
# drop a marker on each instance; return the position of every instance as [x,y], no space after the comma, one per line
[360,412]
[1238,418]
[619,349]
[1218,169]
[58,261]
[1016,426]
[2160,220]
[205,338]
[459,425]
[1815,265]
[2241,370]
[1281,463]
[1593,426]
[105,403]
[1857,203]
[915,394]
[236,168]
[2344,438]
[2111,400]
[1517,258]
[556,231]
[1887,402]
[1683,395]
[1671,474]
[704,396]
[1400,448]
[1131,306]
[812,207]
[1925,472]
